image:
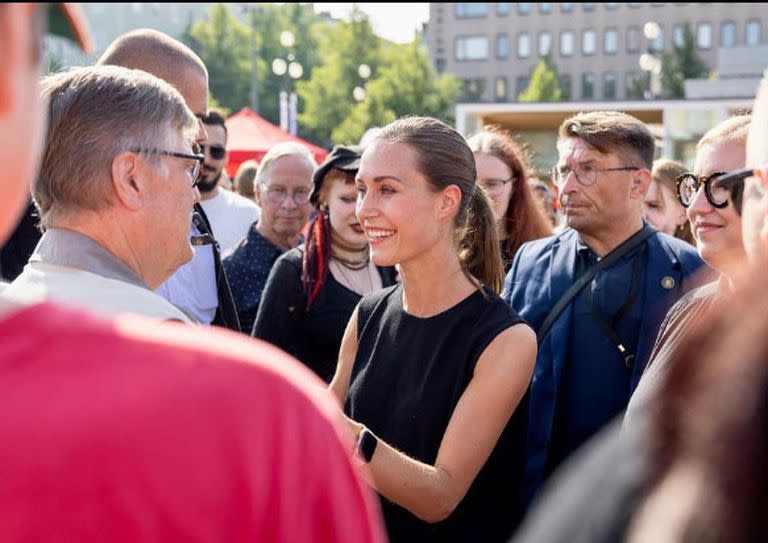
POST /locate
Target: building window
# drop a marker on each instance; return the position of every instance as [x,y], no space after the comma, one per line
[501,89]
[754,31]
[588,42]
[657,45]
[634,85]
[439,65]
[472,48]
[704,36]
[633,39]
[587,86]
[609,85]
[678,36]
[521,84]
[545,43]
[545,8]
[588,6]
[611,41]
[566,7]
[634,5]
[473,90]
[523,45]
[523,8]
[502,8]
[728,34]
[565,85]
[470,10]
[502,46]
[566,43]
[611,5]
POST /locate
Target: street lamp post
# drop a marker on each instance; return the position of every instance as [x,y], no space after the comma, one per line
[290,67]
[364,71]
[649,62]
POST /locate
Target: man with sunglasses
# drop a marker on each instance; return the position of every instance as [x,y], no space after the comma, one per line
[716,223]
[230,214]
[595,337]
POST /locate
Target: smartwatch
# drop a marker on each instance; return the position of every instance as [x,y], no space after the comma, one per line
[366,444]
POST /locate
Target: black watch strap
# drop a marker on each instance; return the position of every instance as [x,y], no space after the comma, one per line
[367,444]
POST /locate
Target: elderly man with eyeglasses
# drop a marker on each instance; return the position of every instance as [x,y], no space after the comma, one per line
[597,292]
[115,193]
[282,187]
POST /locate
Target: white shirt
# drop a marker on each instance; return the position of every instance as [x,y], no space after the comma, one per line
[192,287]
[231,216]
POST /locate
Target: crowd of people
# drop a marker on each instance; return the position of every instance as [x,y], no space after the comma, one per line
[419,339]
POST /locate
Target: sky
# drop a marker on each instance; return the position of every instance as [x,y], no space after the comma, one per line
[394,22]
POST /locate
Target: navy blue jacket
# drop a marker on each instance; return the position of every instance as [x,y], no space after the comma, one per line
[541,273]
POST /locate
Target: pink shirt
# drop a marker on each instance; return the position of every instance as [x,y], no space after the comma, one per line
[134,430]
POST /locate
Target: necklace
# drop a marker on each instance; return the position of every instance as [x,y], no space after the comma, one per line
[352,264]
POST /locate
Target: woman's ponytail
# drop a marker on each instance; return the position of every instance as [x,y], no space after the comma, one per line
[479,250]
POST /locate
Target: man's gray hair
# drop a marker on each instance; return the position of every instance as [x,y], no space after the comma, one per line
[96,113]
[287,148]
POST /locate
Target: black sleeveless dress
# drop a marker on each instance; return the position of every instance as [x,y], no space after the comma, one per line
[408,376]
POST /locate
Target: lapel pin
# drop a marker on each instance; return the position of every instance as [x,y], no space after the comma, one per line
[667,282]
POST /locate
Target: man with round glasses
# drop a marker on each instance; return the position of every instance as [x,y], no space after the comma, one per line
[716,224]
[230,214]
[282,187]
[594,343]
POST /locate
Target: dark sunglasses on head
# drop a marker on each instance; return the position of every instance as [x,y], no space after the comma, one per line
[217,152]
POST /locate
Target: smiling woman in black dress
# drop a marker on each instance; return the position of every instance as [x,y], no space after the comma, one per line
[435,368]
[313,289]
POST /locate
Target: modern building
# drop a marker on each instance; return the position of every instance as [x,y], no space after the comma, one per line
[493,47]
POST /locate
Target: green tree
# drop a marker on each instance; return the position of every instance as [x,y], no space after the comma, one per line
[683,63]
[327,95]
[222,42]
[406,85]
[545,83]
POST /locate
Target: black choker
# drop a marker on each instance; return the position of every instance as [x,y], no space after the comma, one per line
[352,264]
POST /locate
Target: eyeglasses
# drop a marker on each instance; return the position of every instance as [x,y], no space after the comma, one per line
[493,186]
[194,168]
[734,183]
[277,195]
[586,175]
[718,188]
[217,152]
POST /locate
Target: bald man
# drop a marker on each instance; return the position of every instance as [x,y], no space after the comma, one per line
[199,288]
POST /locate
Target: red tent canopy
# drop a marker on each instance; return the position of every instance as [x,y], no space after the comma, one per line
[250,136]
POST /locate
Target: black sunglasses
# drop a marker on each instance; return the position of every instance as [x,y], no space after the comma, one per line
[733,182]
[217,152]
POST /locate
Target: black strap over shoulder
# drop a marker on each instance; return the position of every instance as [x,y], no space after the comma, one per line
[609,260]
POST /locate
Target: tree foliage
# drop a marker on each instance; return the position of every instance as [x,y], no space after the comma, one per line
[545,83]
[683,63]
[406,85]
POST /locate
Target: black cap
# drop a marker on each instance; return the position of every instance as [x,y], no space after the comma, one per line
[342,157]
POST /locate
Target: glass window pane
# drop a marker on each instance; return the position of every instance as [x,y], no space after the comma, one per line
[678,36]
[587,85]
[728,34]
[502,46]
[588,42]
[704,36]
[611,44]
[523,45]
[566,43]
[609,85]
[523,8]
[545,43]
[633,39]
[657,45]
[566,7]
[754,31]
[501,89]
[545,8]
[468,10]
[472,48]
[502,8]
[565,85]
